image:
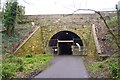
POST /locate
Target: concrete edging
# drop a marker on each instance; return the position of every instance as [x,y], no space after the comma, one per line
[95,39]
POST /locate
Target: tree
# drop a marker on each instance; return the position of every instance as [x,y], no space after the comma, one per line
[20,13]
[9,16]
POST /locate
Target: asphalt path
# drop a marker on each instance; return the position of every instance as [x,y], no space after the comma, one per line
[65,67]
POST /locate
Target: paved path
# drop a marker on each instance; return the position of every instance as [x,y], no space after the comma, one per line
[65,67]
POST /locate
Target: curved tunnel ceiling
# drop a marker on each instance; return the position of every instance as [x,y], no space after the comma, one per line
[65,35]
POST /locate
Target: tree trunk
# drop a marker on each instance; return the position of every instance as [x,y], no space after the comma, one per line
[10,31]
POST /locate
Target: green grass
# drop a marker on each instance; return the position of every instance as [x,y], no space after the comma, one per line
[110,65]
[13,66]
[95,67]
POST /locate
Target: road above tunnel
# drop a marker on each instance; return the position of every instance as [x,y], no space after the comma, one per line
[65,67]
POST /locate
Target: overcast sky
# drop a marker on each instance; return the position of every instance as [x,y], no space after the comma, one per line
[34,7]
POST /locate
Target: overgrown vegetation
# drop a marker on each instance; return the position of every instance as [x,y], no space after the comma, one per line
[15,26]
[8,42]
[21,66]
[106,69]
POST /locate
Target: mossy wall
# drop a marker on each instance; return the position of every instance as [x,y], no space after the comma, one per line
[33,45]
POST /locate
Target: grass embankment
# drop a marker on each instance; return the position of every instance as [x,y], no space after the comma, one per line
[104,69]
[8,42]
[20,67]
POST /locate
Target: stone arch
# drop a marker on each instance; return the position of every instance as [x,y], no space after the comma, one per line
[65,40]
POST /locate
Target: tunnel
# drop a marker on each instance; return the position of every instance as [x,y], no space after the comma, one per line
[62,42]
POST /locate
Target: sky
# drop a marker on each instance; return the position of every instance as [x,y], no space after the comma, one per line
[36,7]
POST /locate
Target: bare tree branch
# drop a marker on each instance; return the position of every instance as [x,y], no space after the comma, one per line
[27,2]
[98,12]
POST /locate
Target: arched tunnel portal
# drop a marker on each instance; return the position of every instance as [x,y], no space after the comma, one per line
[65,43]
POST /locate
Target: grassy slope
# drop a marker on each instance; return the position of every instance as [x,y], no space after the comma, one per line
[20,67]
[9,41]
[104,69]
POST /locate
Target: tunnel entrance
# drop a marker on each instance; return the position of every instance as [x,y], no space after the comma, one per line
[65,42]
[65,48]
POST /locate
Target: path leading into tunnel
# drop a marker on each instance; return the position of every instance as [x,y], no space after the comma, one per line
[65,67]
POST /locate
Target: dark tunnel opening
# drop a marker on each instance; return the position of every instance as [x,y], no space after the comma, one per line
[65,48]
[62,42]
